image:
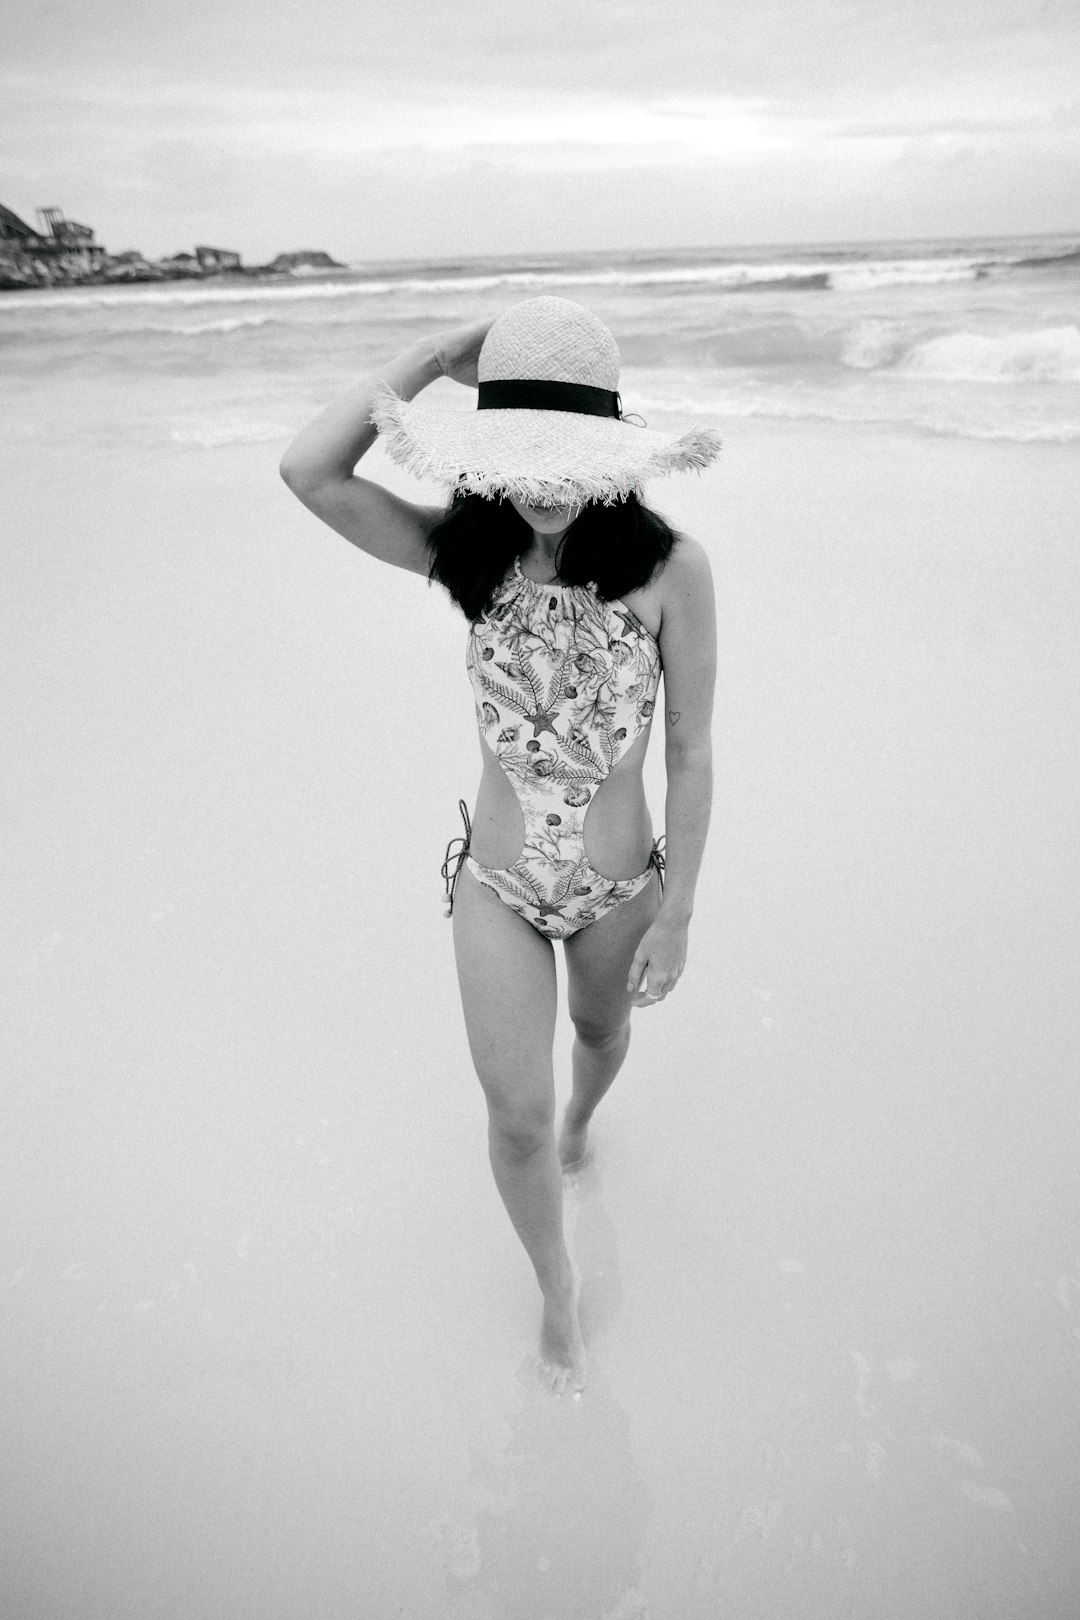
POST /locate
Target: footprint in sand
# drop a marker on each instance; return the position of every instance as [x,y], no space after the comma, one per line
[1064,1290]
[981,1496]
[760,1517]
[863,1368]
[460,1547]
[959,1448]
[984,1496]
[631,1606]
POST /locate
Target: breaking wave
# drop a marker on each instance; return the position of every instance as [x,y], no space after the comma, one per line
[1046,354]
[1049,355]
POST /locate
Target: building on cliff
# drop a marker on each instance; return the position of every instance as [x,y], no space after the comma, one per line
[211,260]
[72,245]
[14,229]
[59,250]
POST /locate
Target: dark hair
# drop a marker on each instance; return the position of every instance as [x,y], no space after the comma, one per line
[473,545]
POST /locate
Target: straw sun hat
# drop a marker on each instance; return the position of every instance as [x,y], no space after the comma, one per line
[548,428]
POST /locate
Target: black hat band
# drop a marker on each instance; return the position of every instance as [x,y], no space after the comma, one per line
[539,394]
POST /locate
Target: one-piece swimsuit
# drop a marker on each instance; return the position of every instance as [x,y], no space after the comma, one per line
[564,683]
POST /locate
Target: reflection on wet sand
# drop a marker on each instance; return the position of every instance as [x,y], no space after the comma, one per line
[559,1509]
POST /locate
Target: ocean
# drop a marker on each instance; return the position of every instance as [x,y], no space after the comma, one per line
[976,338]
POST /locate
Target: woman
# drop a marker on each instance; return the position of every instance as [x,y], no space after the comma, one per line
[577,596]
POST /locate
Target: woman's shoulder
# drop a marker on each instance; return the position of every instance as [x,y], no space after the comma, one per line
[688,565]
[685,571]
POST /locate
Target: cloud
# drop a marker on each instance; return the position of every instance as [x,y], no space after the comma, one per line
[636,121]
[206,132]
[803,54]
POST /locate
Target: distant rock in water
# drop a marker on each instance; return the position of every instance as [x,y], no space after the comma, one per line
[305,260]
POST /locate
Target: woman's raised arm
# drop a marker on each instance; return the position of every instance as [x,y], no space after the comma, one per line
[318,465]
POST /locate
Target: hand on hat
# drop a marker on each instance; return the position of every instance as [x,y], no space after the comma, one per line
[457,352]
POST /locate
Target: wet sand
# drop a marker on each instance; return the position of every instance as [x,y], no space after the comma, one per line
[267,1330]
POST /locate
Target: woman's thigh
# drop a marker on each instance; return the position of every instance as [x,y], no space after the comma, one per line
[506,974]
[598,962]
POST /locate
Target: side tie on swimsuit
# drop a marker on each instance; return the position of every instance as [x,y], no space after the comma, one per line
[457,851]
[658,859]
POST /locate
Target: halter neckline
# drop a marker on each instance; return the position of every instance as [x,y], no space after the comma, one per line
[616,603]
[542,585]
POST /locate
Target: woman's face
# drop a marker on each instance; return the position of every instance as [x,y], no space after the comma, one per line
[545,519]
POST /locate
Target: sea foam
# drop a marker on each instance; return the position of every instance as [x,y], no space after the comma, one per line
[1049,355]
[238,323]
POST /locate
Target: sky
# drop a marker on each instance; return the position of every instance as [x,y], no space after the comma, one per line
[420,129]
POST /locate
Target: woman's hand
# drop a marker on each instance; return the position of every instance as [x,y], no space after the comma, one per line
[457,351]
[658,961]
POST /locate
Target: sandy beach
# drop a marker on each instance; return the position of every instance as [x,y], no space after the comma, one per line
[267,1331]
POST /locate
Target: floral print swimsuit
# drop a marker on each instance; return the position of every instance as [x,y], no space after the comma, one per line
[564,683]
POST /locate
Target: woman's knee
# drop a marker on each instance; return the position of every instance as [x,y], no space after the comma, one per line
[520,1125]
[601,1035]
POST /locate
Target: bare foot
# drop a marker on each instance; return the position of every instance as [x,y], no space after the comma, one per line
[573,1147]
[563,1359]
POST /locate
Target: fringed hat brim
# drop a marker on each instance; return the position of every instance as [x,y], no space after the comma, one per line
[538,457]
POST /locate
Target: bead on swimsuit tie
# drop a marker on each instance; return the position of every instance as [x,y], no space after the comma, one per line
[457,851]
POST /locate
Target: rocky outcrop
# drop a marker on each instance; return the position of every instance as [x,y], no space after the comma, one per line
[16,269]
[305,259]
[132,266]
[64,253]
